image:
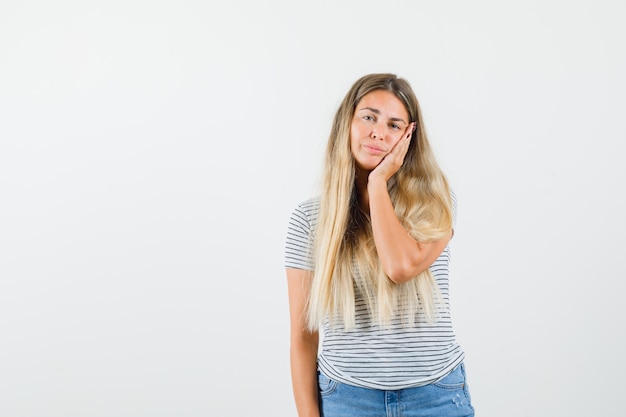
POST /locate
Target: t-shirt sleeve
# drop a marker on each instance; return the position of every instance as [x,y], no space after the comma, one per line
[299,241]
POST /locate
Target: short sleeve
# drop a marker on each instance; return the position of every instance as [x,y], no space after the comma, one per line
[299,240]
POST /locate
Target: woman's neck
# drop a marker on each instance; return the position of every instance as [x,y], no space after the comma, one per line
[361,177]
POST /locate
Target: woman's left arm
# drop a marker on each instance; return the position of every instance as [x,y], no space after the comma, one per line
[402,257]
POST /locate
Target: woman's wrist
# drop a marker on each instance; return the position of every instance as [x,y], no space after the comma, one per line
[376,180]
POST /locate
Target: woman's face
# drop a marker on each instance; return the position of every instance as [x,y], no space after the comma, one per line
[379,121]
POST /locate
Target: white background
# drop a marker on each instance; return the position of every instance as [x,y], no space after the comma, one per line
[152,151]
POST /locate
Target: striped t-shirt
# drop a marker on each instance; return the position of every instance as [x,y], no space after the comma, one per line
[394,357]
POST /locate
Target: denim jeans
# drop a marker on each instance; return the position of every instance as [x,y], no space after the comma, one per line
[447,397]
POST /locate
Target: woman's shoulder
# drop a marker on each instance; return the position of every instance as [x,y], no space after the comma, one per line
[309,206]
[303,219]
[306,210]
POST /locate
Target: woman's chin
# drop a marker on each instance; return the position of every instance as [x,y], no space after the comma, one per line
[367,165]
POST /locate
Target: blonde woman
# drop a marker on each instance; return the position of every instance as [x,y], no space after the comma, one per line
[367,268]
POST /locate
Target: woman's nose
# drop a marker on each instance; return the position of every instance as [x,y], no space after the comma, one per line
[377,132]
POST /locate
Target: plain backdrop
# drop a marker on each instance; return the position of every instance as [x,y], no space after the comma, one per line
[152,151]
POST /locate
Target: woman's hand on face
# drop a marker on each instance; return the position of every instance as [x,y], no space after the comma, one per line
[392,162]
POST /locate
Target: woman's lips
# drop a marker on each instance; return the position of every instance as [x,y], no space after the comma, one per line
[373,149]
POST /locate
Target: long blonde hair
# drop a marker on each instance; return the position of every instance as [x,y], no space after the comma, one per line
[345,256]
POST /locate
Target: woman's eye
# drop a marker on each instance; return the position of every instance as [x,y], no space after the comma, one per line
[368,117]
[395,126]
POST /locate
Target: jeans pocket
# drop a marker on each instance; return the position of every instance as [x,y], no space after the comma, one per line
[454,380]
[325,384]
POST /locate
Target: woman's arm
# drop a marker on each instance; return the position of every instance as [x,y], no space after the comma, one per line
[304,344]
[402,257]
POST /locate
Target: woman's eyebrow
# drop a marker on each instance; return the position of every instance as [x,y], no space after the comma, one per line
[376,111]
[397,119]
[373,110]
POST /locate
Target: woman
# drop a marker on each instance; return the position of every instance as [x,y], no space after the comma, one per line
[367,265]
